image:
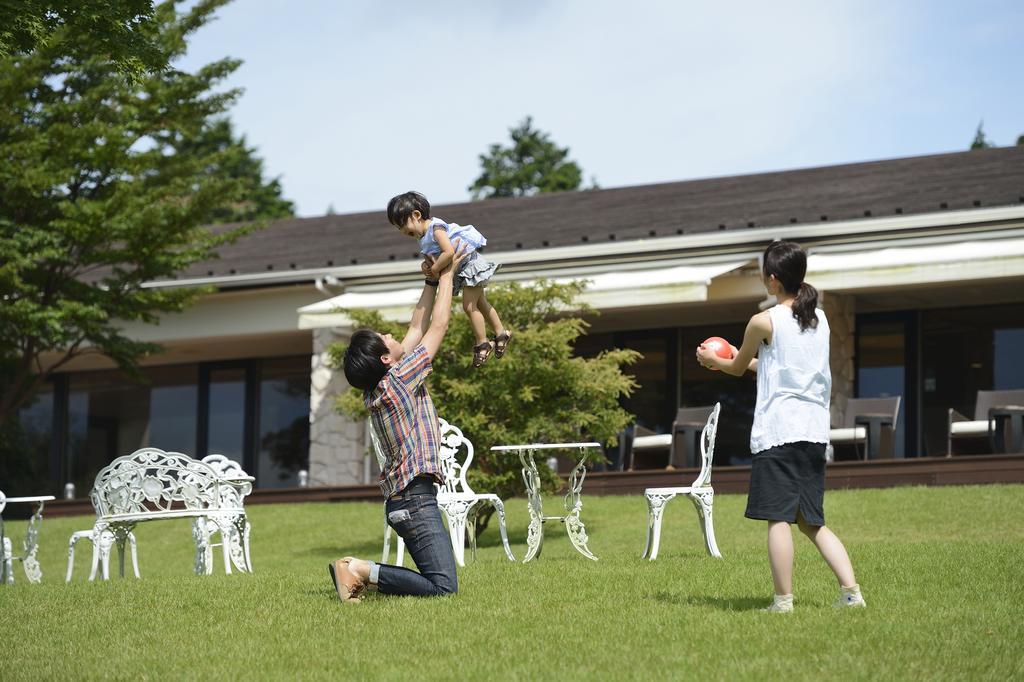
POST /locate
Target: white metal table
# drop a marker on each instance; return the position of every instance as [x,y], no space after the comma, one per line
[573,498]
[30,543]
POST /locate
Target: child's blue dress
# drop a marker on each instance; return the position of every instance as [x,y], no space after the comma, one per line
[476,270]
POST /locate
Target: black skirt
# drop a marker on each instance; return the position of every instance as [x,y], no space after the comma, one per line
[787,479]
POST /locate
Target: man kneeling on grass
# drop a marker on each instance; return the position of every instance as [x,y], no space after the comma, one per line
[393,376]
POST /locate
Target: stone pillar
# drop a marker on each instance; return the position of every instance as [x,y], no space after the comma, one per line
[336,450]
[840,311]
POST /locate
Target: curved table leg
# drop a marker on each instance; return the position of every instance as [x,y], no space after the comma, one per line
[499,506]
[31,545]
[574,505]
[535,533]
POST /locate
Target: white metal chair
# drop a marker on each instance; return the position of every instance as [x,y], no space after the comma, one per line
[701,494]
[459,502]
[233,526]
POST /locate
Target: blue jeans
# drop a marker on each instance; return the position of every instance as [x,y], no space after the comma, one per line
[414,515]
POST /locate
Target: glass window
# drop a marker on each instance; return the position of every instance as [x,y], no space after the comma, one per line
[173,406]
[738,395]
[283,442]
[881,371]
[651,403]
[25,467]
[1009,363]
[226,434]
[965,350]
[109,415]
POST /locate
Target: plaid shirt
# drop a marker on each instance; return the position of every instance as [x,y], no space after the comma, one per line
[405,422]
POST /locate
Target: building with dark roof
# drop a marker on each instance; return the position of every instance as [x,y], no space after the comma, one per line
[920,261]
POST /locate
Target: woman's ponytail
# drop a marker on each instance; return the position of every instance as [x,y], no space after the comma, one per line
[805,305]
[787,262]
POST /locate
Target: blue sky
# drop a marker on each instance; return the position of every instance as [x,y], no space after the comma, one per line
[352,102]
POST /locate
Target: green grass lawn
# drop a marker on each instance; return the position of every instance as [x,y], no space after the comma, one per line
[942,570]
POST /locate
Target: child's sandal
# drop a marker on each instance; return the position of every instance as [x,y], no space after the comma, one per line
[481,353]
[501,343]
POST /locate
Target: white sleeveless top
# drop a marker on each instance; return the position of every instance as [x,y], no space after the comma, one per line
[794,383]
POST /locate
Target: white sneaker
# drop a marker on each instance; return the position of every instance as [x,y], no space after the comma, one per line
[850,597]
[782,603]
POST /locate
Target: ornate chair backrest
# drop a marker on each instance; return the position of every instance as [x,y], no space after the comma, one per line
[454,464]
[707,448]
[151,480]
[231,472]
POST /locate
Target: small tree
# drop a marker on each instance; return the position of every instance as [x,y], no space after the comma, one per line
[538,392]
[980,141]
[532,164]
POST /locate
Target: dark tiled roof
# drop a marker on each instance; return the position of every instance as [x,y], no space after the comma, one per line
[923,184]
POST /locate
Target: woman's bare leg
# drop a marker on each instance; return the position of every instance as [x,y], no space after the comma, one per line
[780,556]
[832,551]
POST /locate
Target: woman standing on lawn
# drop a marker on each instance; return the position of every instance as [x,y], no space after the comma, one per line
[791,421]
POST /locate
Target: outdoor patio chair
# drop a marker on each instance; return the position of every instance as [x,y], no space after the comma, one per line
[700,492]
[686,428]
[643,439]
[456,499]
[960,428]
[863,422]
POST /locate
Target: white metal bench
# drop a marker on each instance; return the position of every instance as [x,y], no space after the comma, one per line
[700,493]
[153,485]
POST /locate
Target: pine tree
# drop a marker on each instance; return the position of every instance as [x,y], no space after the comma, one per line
[532,164]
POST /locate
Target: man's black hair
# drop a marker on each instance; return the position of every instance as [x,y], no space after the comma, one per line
[363,366]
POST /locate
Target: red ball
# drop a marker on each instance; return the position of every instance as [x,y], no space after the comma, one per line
[720,347]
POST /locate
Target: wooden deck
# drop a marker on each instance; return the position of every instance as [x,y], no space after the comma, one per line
[967,470]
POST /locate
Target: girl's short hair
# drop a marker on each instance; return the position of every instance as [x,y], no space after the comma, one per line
[400,208]
[787,261]
[363,367]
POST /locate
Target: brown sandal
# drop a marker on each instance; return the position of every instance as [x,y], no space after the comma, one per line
[481,353]
[501,343]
